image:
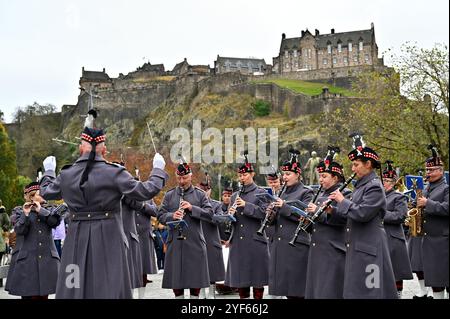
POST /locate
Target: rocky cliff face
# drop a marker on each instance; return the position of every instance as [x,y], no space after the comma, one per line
[168,103]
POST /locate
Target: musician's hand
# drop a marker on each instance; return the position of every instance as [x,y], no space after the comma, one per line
[421,202]
[27,208]
[336,196]
[240,202]
[178,215]
[311,208]
[232,211]
[186,205]
[279,203]
[37,206]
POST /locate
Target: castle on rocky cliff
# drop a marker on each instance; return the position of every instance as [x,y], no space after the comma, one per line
[307,57]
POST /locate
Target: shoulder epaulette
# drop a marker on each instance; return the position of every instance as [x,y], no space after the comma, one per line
[114,164]
[173,188]
[66,166]
[198,188]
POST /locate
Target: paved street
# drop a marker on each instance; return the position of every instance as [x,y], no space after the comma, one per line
[154,290]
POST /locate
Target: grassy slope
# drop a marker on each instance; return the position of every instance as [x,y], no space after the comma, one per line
[307,88]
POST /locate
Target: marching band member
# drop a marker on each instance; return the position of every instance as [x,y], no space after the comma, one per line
[435,223]
[368,267]
[288,264]
[216,265]
[273,180]
[326,260]
[186,262]
[34,265]
[248,260]
[396,210]
[92,188]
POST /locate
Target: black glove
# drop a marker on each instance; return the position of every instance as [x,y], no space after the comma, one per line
[133,204]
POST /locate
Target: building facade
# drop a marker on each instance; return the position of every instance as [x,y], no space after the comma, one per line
[327,51]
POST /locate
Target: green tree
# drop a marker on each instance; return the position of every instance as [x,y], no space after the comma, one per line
[398,112]
[10,191]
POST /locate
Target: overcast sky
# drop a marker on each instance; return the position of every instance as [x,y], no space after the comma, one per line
[44,43]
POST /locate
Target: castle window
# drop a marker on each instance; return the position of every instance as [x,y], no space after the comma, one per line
[295,53]
[325,61]
[345,60]
[329,48]
[309,53]
[361,45]
[334,60]
[355,58]
[339,47]
[286,54]
[296,64]
[350,47]
[305,52]
[287,65]
[366,58]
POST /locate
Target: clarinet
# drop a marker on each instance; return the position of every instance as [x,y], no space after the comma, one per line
[179,229]
[270,211]
[228,224]
[318,213]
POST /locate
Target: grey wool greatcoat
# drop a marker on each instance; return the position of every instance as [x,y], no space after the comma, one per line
[186,261]
[134,257]
[216,265]
[35,260]
[368,267]
[248,259]
[415,253]
[145,232]
[288,264]
[435,237]
[326,260]
[396,210]
[96,243]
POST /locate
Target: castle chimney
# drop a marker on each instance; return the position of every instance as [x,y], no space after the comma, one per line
[82,70]
[317,32]
[283,36]
[185,60]
[303,33]
[103,70]
[332,31]
[372,26]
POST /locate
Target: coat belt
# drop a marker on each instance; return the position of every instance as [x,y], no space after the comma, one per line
[79,216]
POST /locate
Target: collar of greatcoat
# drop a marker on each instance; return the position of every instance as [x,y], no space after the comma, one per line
[294,188]
[85,156]
[186,191]
[249,188]
[365,179]
[332,188]
[437,183]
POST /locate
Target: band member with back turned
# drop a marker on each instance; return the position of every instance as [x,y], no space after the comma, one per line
[216,265]
[396,210]
[326,261]
[186,262]
[248,261]
[288,264]
[366,242]
[95,243]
